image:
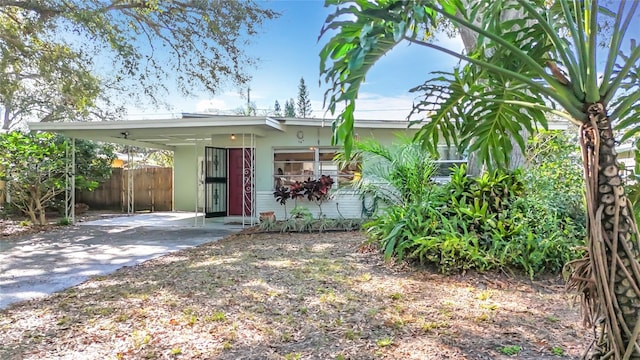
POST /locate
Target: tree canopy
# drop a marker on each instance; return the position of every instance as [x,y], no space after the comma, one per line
[289,108]
[33,164]
[522,60]
[76,59]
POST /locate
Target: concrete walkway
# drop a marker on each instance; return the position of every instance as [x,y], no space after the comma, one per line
[37,265]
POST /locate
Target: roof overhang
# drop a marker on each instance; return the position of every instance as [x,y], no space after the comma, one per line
[163,133]
[362,124]
[195,129]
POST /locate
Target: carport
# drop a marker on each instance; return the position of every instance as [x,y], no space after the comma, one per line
[215,140]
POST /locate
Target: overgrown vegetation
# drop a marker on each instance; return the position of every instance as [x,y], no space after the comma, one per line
[503,220]
[394,175]
[547,58]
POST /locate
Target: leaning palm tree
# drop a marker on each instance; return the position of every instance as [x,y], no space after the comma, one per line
[522,70]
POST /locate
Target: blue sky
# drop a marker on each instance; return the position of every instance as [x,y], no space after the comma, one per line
[288,49]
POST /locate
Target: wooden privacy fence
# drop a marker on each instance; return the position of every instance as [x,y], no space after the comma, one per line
[153,191]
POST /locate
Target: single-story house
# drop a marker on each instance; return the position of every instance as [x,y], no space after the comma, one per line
[229,166]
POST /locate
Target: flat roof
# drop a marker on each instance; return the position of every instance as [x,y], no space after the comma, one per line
[198,128]
[190,129]
[161,133]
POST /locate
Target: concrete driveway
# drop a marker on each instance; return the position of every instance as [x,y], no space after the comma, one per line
[36,265]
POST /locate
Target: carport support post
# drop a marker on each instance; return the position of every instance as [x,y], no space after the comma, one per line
[198,174]
[70,182]
[248,177]
[199,179]
[130,183]
[244,181]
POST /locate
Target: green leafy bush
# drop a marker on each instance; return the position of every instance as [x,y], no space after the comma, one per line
[393,175]
[548,238]
[554,174]
[494,221]
[33,164]
[301,212]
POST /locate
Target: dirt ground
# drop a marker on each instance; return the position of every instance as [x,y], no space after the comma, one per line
[281,296]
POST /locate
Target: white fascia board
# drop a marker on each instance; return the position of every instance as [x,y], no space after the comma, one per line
[362,124]
[147,124]
[382,124]
[629,146]
[558,125]
[275,124]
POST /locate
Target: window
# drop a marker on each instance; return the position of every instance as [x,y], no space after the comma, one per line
[449,157]
[291,165]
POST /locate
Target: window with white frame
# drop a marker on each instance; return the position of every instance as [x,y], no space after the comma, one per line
[449,157]
[299,164]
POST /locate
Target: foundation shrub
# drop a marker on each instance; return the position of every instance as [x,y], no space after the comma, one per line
[508,220]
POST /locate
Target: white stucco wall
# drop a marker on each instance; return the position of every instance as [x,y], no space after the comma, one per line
[346,203]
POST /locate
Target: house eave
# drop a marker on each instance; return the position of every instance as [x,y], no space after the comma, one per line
[163,133]
[362,124]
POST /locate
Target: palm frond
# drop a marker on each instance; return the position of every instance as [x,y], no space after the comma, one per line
[474,114]
[394,174]
[358,45]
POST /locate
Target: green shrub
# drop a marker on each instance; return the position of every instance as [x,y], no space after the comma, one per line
[65,221]
[301,212]
[269,224]
[393,175]
[483,223]
[531,219]
[554,174]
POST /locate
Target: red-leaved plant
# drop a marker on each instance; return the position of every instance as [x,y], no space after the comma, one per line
[313,190]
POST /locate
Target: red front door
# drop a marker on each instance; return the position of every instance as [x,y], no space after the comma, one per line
[239,164]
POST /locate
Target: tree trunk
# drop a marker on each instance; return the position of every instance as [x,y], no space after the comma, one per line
[39,208]
[7,120]
[608,278]
[470,40]
[32,214]
[3,191]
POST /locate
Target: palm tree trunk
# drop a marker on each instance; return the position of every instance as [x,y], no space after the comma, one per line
[609,277]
